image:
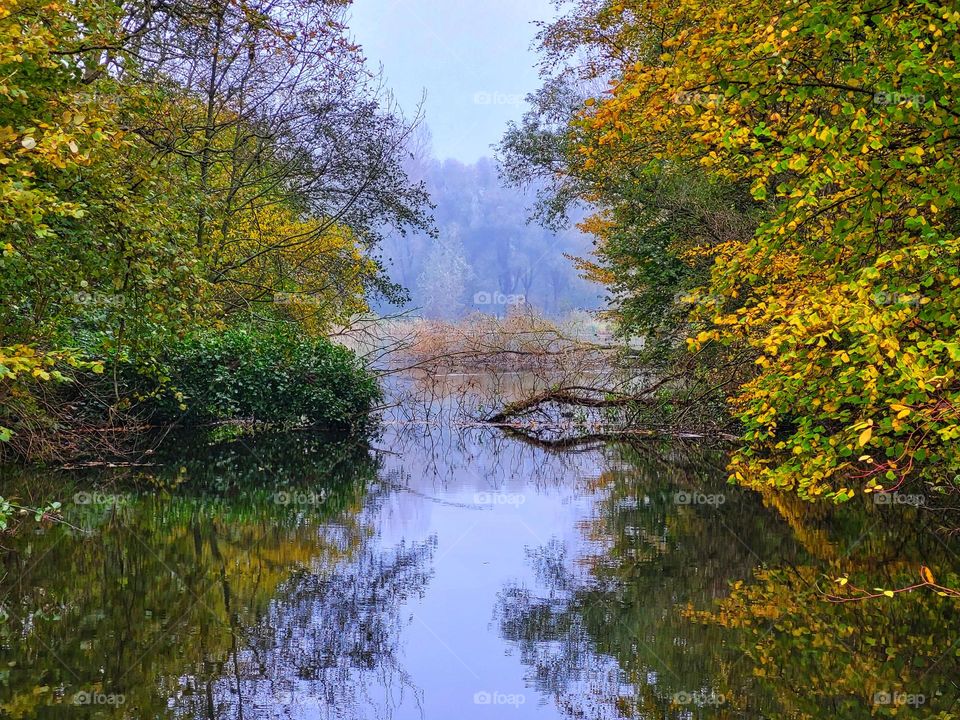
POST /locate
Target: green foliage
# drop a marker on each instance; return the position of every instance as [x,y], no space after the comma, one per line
[185,573]
[90,227]
[826,244]
[268,377]
[26,375]
[9,509]
[221,161]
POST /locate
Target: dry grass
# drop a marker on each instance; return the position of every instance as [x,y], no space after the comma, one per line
[517,343]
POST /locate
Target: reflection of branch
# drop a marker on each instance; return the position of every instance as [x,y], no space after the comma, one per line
[597,440]
[565,397]
[926,578]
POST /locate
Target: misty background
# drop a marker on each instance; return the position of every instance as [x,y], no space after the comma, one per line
[467,67]
[486,257]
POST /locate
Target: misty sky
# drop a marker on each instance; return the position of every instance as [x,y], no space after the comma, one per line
[472,57]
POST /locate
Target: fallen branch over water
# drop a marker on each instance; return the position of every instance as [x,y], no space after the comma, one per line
[559,386]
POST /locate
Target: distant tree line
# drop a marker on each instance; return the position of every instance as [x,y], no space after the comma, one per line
[486,256]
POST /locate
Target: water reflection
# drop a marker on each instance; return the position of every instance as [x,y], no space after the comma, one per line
[241,578]
[462,574]
[687,609]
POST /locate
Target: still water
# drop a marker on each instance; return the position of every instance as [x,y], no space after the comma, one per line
[435,573]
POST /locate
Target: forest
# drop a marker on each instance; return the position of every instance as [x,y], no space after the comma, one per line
[192,192]
[774,197]
[651,412]
[772,194]
[486,254]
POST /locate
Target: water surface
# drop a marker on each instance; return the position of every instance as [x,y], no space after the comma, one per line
[439,574]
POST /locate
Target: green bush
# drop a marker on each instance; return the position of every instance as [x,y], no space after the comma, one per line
[271,377]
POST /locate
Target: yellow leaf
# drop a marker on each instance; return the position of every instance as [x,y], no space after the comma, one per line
[902,411]
[927,575]
[865,436]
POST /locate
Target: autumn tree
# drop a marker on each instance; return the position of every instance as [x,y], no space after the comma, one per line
[168,169]
[836,273]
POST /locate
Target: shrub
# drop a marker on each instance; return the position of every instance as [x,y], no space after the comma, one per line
[270,377]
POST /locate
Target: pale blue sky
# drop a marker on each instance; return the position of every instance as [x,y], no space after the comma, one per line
[472,57]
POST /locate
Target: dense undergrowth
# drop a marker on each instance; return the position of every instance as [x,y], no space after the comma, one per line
[266,377]
[242,376]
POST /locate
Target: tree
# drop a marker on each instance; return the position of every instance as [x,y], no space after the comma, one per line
[443,280]
[175,168]
[839,117]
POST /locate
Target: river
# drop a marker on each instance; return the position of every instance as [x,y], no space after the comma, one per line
[438,573]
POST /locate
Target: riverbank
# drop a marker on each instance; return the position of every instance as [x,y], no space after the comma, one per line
[244,376]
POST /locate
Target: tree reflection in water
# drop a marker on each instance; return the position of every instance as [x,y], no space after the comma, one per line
[279,578]
[328,646]
[253,585]
[684,610]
